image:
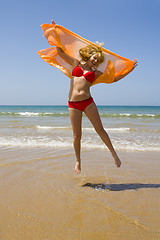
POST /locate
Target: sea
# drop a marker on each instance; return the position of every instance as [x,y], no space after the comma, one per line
[131,128]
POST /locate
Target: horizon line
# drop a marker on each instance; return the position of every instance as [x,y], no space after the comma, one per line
[65,105]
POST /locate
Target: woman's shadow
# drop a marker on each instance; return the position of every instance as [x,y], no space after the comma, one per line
[120,187]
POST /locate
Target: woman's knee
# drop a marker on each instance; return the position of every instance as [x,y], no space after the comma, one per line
[100,130]
[77,137]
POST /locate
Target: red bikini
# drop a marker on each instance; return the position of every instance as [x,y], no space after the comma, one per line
[80,105]
[78,72]
[89,76]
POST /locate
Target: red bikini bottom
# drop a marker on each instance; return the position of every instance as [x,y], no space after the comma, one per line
[80,105]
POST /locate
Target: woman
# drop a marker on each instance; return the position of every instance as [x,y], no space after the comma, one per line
[80,100]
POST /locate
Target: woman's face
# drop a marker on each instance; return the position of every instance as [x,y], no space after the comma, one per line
[94,60]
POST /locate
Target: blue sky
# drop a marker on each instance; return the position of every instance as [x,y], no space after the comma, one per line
[128,28]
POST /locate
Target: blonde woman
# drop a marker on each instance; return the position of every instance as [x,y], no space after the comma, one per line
[80,100]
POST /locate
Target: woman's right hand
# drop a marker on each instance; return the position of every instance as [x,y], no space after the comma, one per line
[135,63]
[53,22]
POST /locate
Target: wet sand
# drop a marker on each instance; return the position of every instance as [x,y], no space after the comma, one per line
[43,199]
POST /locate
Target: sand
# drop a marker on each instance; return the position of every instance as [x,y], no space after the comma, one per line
[41,198]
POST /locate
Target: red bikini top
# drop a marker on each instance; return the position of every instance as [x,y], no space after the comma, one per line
[78,72]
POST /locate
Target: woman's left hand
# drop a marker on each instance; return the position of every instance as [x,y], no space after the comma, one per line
[122,76]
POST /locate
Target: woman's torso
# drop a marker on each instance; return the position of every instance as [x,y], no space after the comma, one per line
[80,83]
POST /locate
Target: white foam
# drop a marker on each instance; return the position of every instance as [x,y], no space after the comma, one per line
[109,129]
[28,114]
[31,142]
[118,129]
[85,129]
[50,127]
[124,114]
[89,143]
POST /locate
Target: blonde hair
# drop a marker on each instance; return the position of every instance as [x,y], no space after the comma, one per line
[88,51]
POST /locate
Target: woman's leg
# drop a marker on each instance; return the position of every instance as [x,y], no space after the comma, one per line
[76,121]
[92,113]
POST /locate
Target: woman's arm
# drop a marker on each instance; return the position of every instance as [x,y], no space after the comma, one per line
[122,76]
[65,56]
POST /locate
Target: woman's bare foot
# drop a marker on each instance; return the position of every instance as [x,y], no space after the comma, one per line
[117,160]
[77,168]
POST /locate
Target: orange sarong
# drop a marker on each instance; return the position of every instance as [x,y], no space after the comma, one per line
[113,65]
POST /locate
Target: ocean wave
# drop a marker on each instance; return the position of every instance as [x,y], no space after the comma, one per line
[54,128]
[66,114]
[33,114]
[91,129]
[88,144]
[116,129]
[33,142]
[85,129]
[130,115]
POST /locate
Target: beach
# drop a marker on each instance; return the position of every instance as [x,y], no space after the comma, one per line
[43,199]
